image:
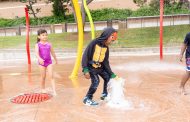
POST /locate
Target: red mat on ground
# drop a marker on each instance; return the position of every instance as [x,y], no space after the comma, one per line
[31,98]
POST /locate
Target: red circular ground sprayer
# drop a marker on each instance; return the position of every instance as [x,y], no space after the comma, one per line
[31,98]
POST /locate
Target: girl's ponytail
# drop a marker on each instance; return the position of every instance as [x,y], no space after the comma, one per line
[38,40]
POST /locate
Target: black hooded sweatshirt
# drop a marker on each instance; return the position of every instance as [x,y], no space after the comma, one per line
[87,59]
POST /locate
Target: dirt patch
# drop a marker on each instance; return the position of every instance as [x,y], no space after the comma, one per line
[13,10]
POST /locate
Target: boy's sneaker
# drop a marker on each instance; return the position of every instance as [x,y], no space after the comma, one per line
[89,102]
[104,96]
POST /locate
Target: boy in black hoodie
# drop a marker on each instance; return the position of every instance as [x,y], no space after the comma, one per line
[95,61]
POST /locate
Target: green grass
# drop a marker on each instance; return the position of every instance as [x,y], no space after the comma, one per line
[149,37]
[143,37]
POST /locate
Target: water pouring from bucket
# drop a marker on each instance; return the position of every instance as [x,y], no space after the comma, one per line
[116,94]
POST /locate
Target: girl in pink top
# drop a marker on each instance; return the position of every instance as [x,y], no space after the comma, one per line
[44,50]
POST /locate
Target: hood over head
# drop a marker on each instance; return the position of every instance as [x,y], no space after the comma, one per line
[106,34]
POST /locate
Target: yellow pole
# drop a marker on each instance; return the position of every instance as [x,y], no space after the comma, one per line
[90,19]
[74,74]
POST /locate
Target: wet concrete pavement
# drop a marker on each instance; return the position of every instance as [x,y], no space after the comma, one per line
[151,87]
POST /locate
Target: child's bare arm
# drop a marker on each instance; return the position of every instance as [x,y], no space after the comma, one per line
[53,54]
[183,47]
[41,61]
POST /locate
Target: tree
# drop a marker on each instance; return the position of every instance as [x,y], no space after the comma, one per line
[58,9]
[155,4]
[185,4]
[140,3]
[30,7]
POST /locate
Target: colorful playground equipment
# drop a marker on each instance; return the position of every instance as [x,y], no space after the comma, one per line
[27,39]
[90,19]
[161,28]
[74,73]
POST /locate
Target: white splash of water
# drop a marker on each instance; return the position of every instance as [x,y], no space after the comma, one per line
[116,97]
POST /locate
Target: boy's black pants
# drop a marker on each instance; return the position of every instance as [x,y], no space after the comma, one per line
[95,81]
